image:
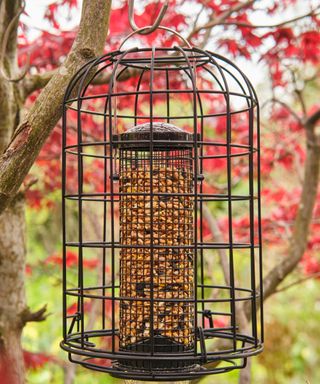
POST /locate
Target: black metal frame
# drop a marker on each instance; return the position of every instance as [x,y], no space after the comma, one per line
[234,89]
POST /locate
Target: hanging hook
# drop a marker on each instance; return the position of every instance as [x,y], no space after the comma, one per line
[146,31]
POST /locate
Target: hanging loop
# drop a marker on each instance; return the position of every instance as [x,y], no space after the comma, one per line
[141,31]
[151,28]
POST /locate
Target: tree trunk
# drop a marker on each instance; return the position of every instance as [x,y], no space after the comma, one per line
[12,292]
[245,373]
[88,44]
[12,222]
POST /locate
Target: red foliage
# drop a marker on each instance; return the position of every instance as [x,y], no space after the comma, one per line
[34,360]
[28,270]
[74,308]
[234,48]
[218,322]
[34,198]
[310,46]
[311,265]
[72,260]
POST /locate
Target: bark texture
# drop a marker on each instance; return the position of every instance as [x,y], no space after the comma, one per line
[12,221]
[12,292]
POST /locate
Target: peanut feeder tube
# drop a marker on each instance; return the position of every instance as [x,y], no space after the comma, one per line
[156,228]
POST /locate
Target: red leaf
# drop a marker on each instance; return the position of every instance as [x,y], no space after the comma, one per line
[310,46]
[36,360]
[311,264]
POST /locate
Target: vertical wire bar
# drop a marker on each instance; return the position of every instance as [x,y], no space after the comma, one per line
[137,97]
[252,249]
[63,204]
[201,214]
[195,183]
[122,262]
[132,279]
[104,226]
[80,234]
[259,223]
[111,85]
[112,223]
[201,206]
[175,155]
[230,226]
[146,160]
[201,203]
[255,98]
[168,95]
[151,201]
[139,166]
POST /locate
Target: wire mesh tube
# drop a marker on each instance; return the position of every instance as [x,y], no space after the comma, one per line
[156,265]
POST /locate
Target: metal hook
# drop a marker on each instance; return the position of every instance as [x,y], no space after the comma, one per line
[155,24]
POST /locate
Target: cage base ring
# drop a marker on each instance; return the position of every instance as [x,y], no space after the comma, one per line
[111,362]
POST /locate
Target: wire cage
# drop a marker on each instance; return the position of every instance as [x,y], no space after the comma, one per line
[174,154]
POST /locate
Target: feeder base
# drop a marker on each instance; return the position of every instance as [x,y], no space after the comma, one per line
[162,344]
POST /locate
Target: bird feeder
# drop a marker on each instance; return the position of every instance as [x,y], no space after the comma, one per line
[170,297]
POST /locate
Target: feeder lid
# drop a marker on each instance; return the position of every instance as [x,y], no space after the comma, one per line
[165,137]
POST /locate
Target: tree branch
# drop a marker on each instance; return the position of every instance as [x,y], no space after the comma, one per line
[297,282]
[9,92]
[286,106]
[8,10]
[222,18]
[40,315]
[45,113]
[271,26]
[313,119]
[40,80]
[299,92]
[245,373]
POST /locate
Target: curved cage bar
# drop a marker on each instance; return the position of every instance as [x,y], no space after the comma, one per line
[163,219]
